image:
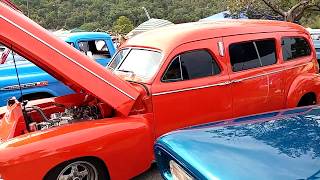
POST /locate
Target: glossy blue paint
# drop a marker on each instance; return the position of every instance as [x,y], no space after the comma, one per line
[30,73]
[277,145]
[75,38]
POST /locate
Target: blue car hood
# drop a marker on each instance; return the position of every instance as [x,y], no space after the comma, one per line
[277,145]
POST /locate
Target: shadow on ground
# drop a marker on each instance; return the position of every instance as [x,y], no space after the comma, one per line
[151,174]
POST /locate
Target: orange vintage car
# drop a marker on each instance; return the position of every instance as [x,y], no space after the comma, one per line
[159,81]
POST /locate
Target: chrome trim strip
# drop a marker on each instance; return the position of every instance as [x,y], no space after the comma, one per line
[25,86]
[194,88]
[70,59]
[228,82]
[180,65]
[268,73]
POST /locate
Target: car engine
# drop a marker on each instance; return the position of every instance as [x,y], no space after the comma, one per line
[70,115]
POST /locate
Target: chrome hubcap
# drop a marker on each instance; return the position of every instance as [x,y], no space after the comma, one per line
[79,170]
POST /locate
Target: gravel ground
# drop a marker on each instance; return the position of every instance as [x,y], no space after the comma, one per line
[151,174]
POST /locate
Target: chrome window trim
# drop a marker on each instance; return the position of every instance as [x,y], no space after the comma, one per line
[172,80]
[180,65]
[257,51]
[124,57]
[112,59]
[302,37]
[67,57]
[214,60]
[228,82]
[256,48]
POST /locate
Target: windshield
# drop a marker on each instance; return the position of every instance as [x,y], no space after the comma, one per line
[140,64]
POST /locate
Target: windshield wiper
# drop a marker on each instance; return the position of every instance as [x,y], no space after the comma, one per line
[110,68]
[132,74]
[126,71]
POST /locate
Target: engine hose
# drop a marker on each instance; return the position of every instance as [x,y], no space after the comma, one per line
[39,110]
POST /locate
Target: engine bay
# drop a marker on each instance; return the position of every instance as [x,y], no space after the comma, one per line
[20,118]
[60,112]
[70,115]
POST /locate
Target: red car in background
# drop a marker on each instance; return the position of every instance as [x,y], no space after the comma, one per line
[158,81]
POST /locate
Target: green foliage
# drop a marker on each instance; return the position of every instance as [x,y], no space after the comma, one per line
[123,25]
[102,14]
[312,21]
[89,14]
[278,9]
[91,26]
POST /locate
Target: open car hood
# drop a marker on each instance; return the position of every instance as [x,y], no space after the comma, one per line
[62,61]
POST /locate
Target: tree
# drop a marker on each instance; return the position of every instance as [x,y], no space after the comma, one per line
[123,25]
[56,14]
[93,26]
[294,13]
[287,10]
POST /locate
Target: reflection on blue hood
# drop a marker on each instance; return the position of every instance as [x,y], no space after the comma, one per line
[278,145]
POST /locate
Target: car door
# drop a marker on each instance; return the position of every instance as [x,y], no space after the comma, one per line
[269,53]
[249,81]
[191,88]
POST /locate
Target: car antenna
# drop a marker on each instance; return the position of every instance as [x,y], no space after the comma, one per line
[15,66]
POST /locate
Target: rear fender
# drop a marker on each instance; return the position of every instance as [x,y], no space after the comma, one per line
[302,85]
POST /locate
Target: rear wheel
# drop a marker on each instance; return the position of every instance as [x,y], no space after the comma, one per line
[307,100]
[82,169]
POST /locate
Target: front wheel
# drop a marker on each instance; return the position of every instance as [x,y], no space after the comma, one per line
[78,170]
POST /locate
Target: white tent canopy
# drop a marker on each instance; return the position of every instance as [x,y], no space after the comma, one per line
[149,25]
[224,15]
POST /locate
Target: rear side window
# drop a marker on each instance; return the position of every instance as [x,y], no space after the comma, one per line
[253,54]
[267,52]
[243,56]
[191,65]
[294,47]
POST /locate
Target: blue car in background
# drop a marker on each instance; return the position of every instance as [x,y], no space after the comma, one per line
[275,145]
[36,83]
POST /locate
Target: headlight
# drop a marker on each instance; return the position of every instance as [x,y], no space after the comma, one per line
[178,173]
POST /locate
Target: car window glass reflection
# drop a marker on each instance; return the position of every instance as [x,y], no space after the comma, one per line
[191,65]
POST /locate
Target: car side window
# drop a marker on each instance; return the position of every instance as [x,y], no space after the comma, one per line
[191,65]
[96,49]
[253,54]
[243,56]
[173,73]
[294,47]
[267,51]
